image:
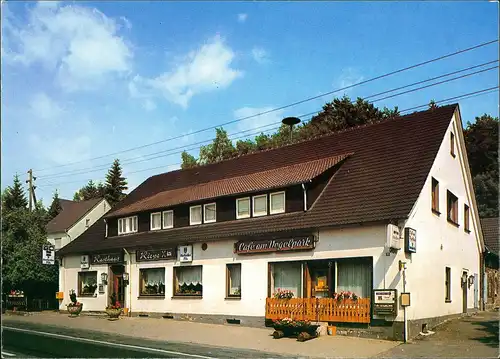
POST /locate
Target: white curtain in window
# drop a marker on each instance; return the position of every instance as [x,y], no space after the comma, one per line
[210,212]
[260,204]
[188,275]
[243,207]
[354,277]
[195,214]
[235,277]
[288,276]
[156,220]
[153,276]
[168,219]
[278,202]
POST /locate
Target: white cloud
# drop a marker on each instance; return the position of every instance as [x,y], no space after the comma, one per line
[258,121]
[81,45]
[260,55]
[45,108]
[348,77]
[242,17]
[207,69]
[61,150]
[149,105]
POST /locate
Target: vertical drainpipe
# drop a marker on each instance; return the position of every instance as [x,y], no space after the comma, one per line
[305,196]
[129,280]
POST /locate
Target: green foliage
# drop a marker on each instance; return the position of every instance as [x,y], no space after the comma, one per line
[90,191]
[116,184]
[55,207]
[23,234]
[188,161]
[14,197]
[220,149]
[481,139]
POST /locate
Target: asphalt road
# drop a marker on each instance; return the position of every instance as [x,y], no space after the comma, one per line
[21,340]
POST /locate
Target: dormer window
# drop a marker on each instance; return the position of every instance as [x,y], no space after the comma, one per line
[277,202]
[194,215]
[243,208]
[209,213]
[155,221]
[127,225]
[168,219]
[260,205]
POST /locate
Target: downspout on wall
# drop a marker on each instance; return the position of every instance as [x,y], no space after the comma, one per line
[304,189]
[129,279]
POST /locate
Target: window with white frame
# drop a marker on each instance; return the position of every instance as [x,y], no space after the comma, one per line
[243,208]
[260,205]
[209,213]
[127,225]
[155,221]
[168,219]
[194,215]
[277,202]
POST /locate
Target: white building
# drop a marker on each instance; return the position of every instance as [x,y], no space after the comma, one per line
[74,219]
[355,211]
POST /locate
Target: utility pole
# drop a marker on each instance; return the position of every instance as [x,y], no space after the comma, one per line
[31,189]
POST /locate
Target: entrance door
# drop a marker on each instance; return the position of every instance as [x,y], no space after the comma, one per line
[464,293]
[117,286]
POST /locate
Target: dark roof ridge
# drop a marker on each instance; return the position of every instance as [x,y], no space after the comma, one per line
[314,138]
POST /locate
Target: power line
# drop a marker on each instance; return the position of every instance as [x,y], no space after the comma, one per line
[285,106]
[463,96]
[169,152]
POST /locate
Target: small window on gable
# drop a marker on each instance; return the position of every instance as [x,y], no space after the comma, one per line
[194,215]
[127,225]
[260,205]
[435,195]
[243,208]
[466,218]
[209,213]
[155,221]
[277,202]
[452,207]
[87,222]
[452,144]
[168,219]
[447,285]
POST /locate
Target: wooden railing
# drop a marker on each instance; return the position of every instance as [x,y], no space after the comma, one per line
[319,309]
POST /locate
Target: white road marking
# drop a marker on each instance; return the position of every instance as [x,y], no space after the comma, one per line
[62,336]
[8,354]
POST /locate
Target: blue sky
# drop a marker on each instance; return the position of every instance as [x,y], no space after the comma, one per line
[85,79]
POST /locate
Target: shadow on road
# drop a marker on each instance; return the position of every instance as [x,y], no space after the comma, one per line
[490,329]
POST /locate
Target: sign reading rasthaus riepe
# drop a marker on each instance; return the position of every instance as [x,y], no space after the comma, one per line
[274,245]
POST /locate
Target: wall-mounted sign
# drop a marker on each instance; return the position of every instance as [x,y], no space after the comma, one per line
[84,262]
[405,299]
[186,253]
[108,258]
[101,288]
[393,237]
[48,254]
[154,255]
[410,240]
[385,302]
[274,245]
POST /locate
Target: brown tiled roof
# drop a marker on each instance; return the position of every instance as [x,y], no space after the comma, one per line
[258,181]
[380,181]
[71,213]
[490,234]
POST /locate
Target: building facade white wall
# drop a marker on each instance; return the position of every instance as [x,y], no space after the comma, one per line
[441,244]
[61,239]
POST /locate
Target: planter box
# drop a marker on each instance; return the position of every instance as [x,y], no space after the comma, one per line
[74,310]
[114,313]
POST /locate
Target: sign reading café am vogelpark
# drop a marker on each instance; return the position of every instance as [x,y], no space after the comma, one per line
[274,245]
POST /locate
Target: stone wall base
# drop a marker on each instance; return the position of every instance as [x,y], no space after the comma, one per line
[247,321]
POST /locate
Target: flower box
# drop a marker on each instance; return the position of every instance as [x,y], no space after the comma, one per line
[114,313]
[75,309]
[293,328]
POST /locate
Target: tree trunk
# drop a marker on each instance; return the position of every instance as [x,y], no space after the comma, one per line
[278,334]
[305,336]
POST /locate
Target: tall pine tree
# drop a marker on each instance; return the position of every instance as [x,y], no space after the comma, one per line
[14,196]
[116,184]
[55,206]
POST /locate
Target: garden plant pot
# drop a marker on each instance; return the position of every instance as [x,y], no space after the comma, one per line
[114,314]
[75,310]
